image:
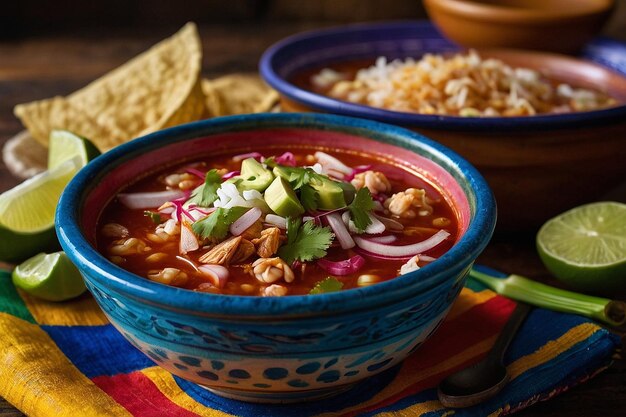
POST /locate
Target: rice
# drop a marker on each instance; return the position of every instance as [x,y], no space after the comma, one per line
[461,85]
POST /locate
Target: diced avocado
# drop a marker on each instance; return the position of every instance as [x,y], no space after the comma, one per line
[331,195]
[348,191]
[281,198]
[282,172]
[254,176]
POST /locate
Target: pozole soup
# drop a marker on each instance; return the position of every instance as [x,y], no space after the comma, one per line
[278,223]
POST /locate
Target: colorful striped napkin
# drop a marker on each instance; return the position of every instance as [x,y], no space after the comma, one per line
[65,359]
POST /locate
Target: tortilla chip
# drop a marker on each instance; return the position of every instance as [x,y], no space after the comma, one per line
[158,88]
[238,94]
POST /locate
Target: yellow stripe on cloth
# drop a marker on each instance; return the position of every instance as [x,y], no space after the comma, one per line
[165,382]
[406,376]
[467,300]
[38,379]
[82,311]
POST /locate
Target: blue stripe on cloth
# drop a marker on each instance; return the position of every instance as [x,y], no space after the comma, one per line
[98,350]
[360,393]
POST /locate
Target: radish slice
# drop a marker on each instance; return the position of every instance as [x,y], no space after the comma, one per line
[341,232]
[243,156]
[149,199]
[331,163]
[196,172]
[245,221]
[346,267]
[188,241]
[377,256]
[188,262]
[276,220]
[217,274]
[286,159]
[230,175]
[414,249]
[357,170]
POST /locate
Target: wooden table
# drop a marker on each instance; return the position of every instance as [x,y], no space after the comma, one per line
[42,67]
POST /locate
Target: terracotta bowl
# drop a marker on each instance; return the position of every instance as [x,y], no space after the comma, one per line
[537,166]
[276,349]
[549,25]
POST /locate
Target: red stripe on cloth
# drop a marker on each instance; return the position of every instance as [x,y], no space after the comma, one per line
[138,394]
[478,323]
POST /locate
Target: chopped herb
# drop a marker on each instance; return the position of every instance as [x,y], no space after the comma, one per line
[305,242]
[154,216]
[270,162]
[206,194]
[215,225]
[360,208]
[330,284]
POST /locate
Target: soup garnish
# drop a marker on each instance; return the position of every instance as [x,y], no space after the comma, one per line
[459,85]
[291,224]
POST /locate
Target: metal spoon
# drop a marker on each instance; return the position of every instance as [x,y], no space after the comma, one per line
[486,378]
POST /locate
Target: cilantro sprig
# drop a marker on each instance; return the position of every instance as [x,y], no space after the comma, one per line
[360,208]
[155,216]
[206,194]
[330,284]
[215,226]
[305,242]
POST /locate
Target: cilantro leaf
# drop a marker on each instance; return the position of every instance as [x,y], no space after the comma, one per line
[330,284]
[206,194]
[215,225]
[154,216]
[306,242]
[360,207]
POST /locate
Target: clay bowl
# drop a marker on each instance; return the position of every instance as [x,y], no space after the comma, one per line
[537,166]
[276,349]
[563,26]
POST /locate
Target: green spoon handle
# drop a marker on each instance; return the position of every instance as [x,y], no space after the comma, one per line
[519,288]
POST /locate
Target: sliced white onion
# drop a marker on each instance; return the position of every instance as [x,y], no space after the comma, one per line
[149,199]
[341,232]
[217,274]
[374,228]
[276,220]
[188,262]
[390,224]
[188,241]
[307,219]
[331,163]
[406,250]
[383,239]
[245,221]
[427,258]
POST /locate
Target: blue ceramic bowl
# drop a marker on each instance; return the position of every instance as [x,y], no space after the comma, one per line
[275,349]
[523,158]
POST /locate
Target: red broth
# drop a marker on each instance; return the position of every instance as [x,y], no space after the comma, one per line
[156,255]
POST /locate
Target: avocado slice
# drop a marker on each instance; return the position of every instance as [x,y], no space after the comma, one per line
[254,176]
[331,194]
[348,191]
[281,198]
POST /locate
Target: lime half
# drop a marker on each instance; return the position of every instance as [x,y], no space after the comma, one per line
[27,213]
[586,246]
[51,276]
[65,145]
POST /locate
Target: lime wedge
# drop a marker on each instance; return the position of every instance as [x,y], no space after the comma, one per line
[65,145]
[51,276]
[586,246]
[27,213]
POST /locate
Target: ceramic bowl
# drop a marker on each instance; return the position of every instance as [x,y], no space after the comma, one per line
[563,26]
[537,166]
[275,349]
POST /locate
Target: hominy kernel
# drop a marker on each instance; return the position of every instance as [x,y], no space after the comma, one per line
[186,184]
[367,279]
[118,260]
[156,257]
[247,288]
[441,222]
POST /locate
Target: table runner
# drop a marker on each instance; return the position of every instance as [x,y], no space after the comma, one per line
[65,359]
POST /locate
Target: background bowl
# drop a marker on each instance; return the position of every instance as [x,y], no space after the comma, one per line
[537,166]
[275,349]
[549,25]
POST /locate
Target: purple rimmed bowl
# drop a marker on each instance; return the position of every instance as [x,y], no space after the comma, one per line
[537,166]
[276,349]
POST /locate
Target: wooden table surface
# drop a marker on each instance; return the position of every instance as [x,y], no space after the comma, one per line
[41,67]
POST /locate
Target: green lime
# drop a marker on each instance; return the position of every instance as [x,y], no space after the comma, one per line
[65,145]
[586,246]
[51,276]
[27,213]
